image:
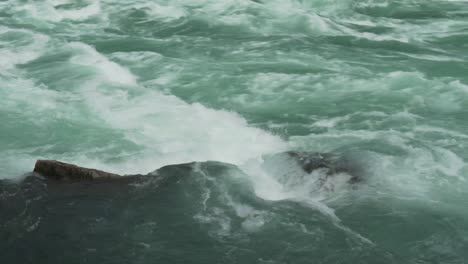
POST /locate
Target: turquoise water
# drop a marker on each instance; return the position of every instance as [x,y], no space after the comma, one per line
[131,86]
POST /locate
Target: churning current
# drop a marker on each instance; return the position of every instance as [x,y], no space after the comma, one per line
[242,93]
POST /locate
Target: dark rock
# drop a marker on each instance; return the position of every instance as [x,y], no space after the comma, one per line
[332,163]
[57,170]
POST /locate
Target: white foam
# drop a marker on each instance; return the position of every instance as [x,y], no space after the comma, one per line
[159,11]
[253,219]
[170,130]
[108,71]
[34,45]
[46,10]
[175,132]
[166,129]
[462,87]
[432,129]
[266,186]
[449,163]
[331,122]
[84,13]
[25,93]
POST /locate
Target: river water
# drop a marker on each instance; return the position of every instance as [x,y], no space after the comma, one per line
[131,86]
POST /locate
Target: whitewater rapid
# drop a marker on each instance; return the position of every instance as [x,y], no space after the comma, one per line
[131,86]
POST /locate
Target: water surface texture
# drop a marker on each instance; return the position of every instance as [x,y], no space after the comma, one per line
[131,86]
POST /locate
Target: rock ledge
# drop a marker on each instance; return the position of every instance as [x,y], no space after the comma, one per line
[57,170]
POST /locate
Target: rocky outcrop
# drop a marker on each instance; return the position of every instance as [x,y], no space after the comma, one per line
[57,170]
[331,164]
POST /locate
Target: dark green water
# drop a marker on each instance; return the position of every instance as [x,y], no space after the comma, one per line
[131,86]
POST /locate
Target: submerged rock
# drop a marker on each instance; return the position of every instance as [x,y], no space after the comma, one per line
[314,174]
[332,164]
[72,208]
